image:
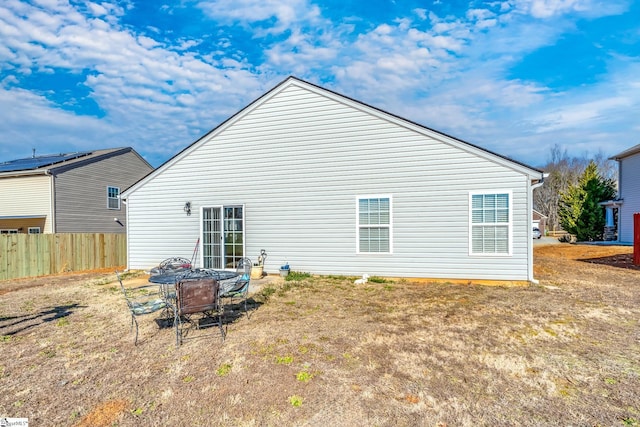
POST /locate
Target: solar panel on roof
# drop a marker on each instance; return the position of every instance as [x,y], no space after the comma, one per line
[30,163]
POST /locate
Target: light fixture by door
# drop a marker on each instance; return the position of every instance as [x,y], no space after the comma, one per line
[187,208]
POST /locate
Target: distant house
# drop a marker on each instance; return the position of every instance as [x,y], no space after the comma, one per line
[334,186]
[68,193]
[540,221]
[628,201]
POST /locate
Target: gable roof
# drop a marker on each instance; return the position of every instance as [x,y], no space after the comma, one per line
[626,153]
[533,173]
[540,214]
[56,163]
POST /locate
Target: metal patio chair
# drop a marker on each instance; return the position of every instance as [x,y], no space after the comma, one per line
[140,302]
[197,304]
[171,265]
[240,287]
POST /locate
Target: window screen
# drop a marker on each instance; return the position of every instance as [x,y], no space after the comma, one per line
[490,223]
[113,198]
[374,224]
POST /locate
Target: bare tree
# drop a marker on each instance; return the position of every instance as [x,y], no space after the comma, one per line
[607,169]
[565,171]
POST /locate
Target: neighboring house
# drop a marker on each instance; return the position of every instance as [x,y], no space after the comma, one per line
[333,186]
[628,201]
[540,221]
[68,193]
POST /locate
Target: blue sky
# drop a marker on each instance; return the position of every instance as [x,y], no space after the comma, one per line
[514,76]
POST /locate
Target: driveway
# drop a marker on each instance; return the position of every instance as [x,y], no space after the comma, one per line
[545,240]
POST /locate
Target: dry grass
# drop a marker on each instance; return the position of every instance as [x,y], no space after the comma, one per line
[322,351]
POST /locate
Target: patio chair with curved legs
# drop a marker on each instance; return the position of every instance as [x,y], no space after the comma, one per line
[240,288]
[171,265]
[197,304]
[141,302]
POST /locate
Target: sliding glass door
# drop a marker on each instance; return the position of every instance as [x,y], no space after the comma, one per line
[222,236]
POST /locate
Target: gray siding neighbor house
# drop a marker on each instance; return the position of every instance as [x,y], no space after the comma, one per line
[75,192]
[628,201]
[334,186]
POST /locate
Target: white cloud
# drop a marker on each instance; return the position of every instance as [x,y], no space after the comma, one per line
[97,9]
[479,14]
[548,8]
[147,90]
[421,13]
[458,83]
[286,13]
[449,73]
[581,115]
[544,9]
[31,121]
[607,103]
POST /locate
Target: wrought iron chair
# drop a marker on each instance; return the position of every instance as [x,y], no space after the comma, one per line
[197,304]
[141,302]
[171,265]
[240,287]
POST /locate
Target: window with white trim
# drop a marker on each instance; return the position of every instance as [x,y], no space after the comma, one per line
[34,230]
[490,223]
[113,198]
[374,224]
[9,231]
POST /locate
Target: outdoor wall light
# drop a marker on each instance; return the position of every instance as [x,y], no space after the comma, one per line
[187,208]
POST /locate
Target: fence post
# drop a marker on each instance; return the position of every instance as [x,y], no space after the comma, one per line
[636,238]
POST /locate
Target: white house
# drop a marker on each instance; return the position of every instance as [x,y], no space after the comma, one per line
[333,186]
[628,201]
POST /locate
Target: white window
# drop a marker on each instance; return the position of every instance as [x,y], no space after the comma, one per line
[490,223]
[9,231]
[34,230]
[113,197]
[374,224]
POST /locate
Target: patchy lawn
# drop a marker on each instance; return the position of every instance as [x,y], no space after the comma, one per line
[321,351]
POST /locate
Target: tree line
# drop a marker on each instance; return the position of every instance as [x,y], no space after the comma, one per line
[572,192]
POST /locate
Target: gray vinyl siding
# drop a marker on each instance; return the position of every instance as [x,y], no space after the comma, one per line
[81,194]
[297,161]
[630,193]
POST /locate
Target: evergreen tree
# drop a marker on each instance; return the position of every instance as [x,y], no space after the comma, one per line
[580,212]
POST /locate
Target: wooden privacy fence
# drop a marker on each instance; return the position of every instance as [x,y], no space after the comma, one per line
[27,255]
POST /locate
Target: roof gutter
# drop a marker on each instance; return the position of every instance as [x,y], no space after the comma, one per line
[540,182]
[24,173]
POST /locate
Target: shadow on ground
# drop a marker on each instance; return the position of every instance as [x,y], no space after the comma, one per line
[12,325]
[619,261]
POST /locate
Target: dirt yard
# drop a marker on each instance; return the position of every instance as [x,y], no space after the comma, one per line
[323,352]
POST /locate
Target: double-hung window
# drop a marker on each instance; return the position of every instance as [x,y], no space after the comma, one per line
[374,224]
[490,223]
[113,198]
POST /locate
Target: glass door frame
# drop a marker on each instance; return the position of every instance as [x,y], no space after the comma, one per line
[232,240]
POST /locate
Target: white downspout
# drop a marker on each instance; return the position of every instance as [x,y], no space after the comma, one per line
[52,200]
[530,228]
[126,215]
